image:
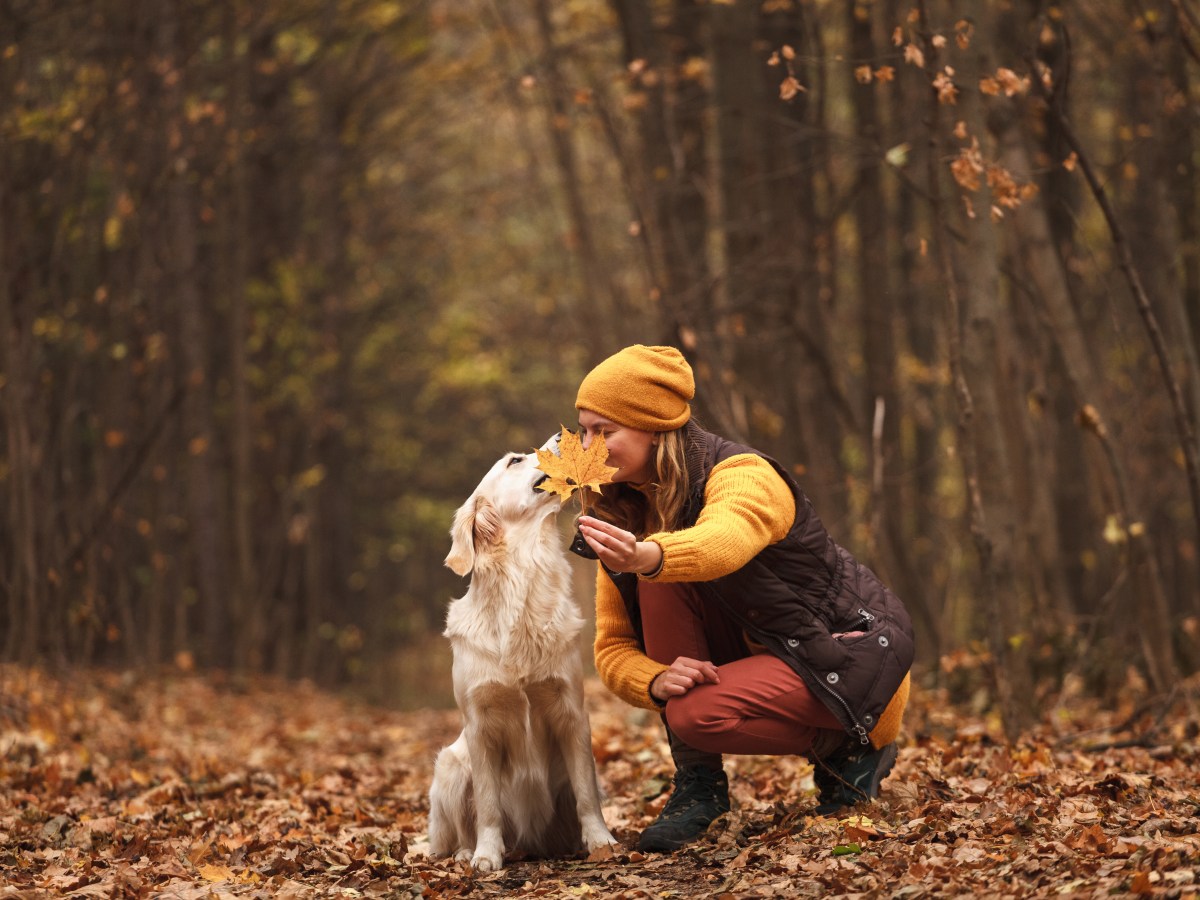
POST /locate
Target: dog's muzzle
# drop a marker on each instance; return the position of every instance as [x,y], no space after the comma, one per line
[551,445]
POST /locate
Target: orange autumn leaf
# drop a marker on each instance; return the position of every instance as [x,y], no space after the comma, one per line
[913,55]
[215,873]
[575,469]
[789,88]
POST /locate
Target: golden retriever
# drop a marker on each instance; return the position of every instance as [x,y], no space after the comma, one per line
[521,776]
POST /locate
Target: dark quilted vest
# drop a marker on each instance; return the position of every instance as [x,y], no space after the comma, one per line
[794,595]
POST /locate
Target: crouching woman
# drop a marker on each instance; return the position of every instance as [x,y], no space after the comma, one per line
[723,603]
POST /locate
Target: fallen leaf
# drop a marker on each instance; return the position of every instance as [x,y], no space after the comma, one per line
[215,873]
[601,853]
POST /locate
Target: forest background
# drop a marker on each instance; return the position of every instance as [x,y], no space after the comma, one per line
[279,281]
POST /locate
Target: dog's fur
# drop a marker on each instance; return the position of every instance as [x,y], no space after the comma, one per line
[520,777]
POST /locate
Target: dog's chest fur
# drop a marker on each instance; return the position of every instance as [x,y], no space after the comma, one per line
[516,628]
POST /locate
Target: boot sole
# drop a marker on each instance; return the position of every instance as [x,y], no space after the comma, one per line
[668,845]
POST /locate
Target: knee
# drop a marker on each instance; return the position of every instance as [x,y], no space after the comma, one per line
[693,721]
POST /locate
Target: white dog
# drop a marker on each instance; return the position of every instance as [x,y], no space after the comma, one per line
[521,775]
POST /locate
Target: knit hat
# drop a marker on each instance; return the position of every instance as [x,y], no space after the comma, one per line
[641,387]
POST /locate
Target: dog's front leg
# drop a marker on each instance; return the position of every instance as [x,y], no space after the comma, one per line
[489,822]
[581,766]
[451,816]
[495,728]
[560,702]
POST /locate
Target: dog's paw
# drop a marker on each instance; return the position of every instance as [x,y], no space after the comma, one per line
[463,855]
[596,835]
[486,862]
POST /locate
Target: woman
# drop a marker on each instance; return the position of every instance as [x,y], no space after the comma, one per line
[722,602]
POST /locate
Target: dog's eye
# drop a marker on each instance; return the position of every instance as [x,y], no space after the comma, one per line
[516,459]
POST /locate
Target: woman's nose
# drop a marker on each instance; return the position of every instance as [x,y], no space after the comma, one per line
[585,439]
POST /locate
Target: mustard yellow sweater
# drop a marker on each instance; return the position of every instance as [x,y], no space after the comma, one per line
[747,507]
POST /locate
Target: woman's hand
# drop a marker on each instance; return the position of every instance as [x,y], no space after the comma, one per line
[683,675]
[618,549]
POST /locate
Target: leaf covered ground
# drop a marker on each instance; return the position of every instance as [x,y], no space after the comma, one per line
[125,786]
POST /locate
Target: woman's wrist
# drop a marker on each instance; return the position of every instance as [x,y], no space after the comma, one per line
[650,690]
[650,559]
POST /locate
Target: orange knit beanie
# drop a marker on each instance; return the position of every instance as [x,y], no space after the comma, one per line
[641,387]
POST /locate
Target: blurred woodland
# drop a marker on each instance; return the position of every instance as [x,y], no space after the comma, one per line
[280,280]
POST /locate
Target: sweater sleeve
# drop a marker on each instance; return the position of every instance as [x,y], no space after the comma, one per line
[620,662]
[747,506]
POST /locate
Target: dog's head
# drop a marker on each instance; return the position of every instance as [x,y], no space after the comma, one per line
[506,499]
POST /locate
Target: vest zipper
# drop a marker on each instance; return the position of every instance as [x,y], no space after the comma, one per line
[858,728]
[867,619]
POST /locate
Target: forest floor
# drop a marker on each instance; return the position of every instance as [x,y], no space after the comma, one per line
[184,786]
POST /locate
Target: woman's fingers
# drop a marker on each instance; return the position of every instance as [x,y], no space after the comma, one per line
[615,547]
[683,675]
[686,673]
[618,549]
[605,546]
[700,671]
[601,525]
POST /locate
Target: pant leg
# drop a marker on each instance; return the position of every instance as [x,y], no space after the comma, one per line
[761,706]
[676,622]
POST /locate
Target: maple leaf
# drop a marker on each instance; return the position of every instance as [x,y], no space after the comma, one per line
[575,469]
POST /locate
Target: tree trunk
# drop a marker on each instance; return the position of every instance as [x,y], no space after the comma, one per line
[979,366]
[741,301]
[328,550]
[244,600]
[1049,282]
[182,283]
[878,294]
[674,153]
[24,581]
[599,311]
[1183,174]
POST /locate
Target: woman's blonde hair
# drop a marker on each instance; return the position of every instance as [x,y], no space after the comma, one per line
[630,509]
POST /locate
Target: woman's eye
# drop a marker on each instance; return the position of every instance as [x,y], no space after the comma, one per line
[516,459]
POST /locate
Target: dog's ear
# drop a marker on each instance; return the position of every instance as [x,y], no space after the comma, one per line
[476,528]
[461,558]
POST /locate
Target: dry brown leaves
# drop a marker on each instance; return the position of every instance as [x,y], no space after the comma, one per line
[189,787]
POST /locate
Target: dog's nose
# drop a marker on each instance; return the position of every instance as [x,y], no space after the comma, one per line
[539,481]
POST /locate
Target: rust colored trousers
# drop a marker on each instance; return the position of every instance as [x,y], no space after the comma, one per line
[760,705]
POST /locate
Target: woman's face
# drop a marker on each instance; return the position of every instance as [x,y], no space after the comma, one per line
[630,450]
